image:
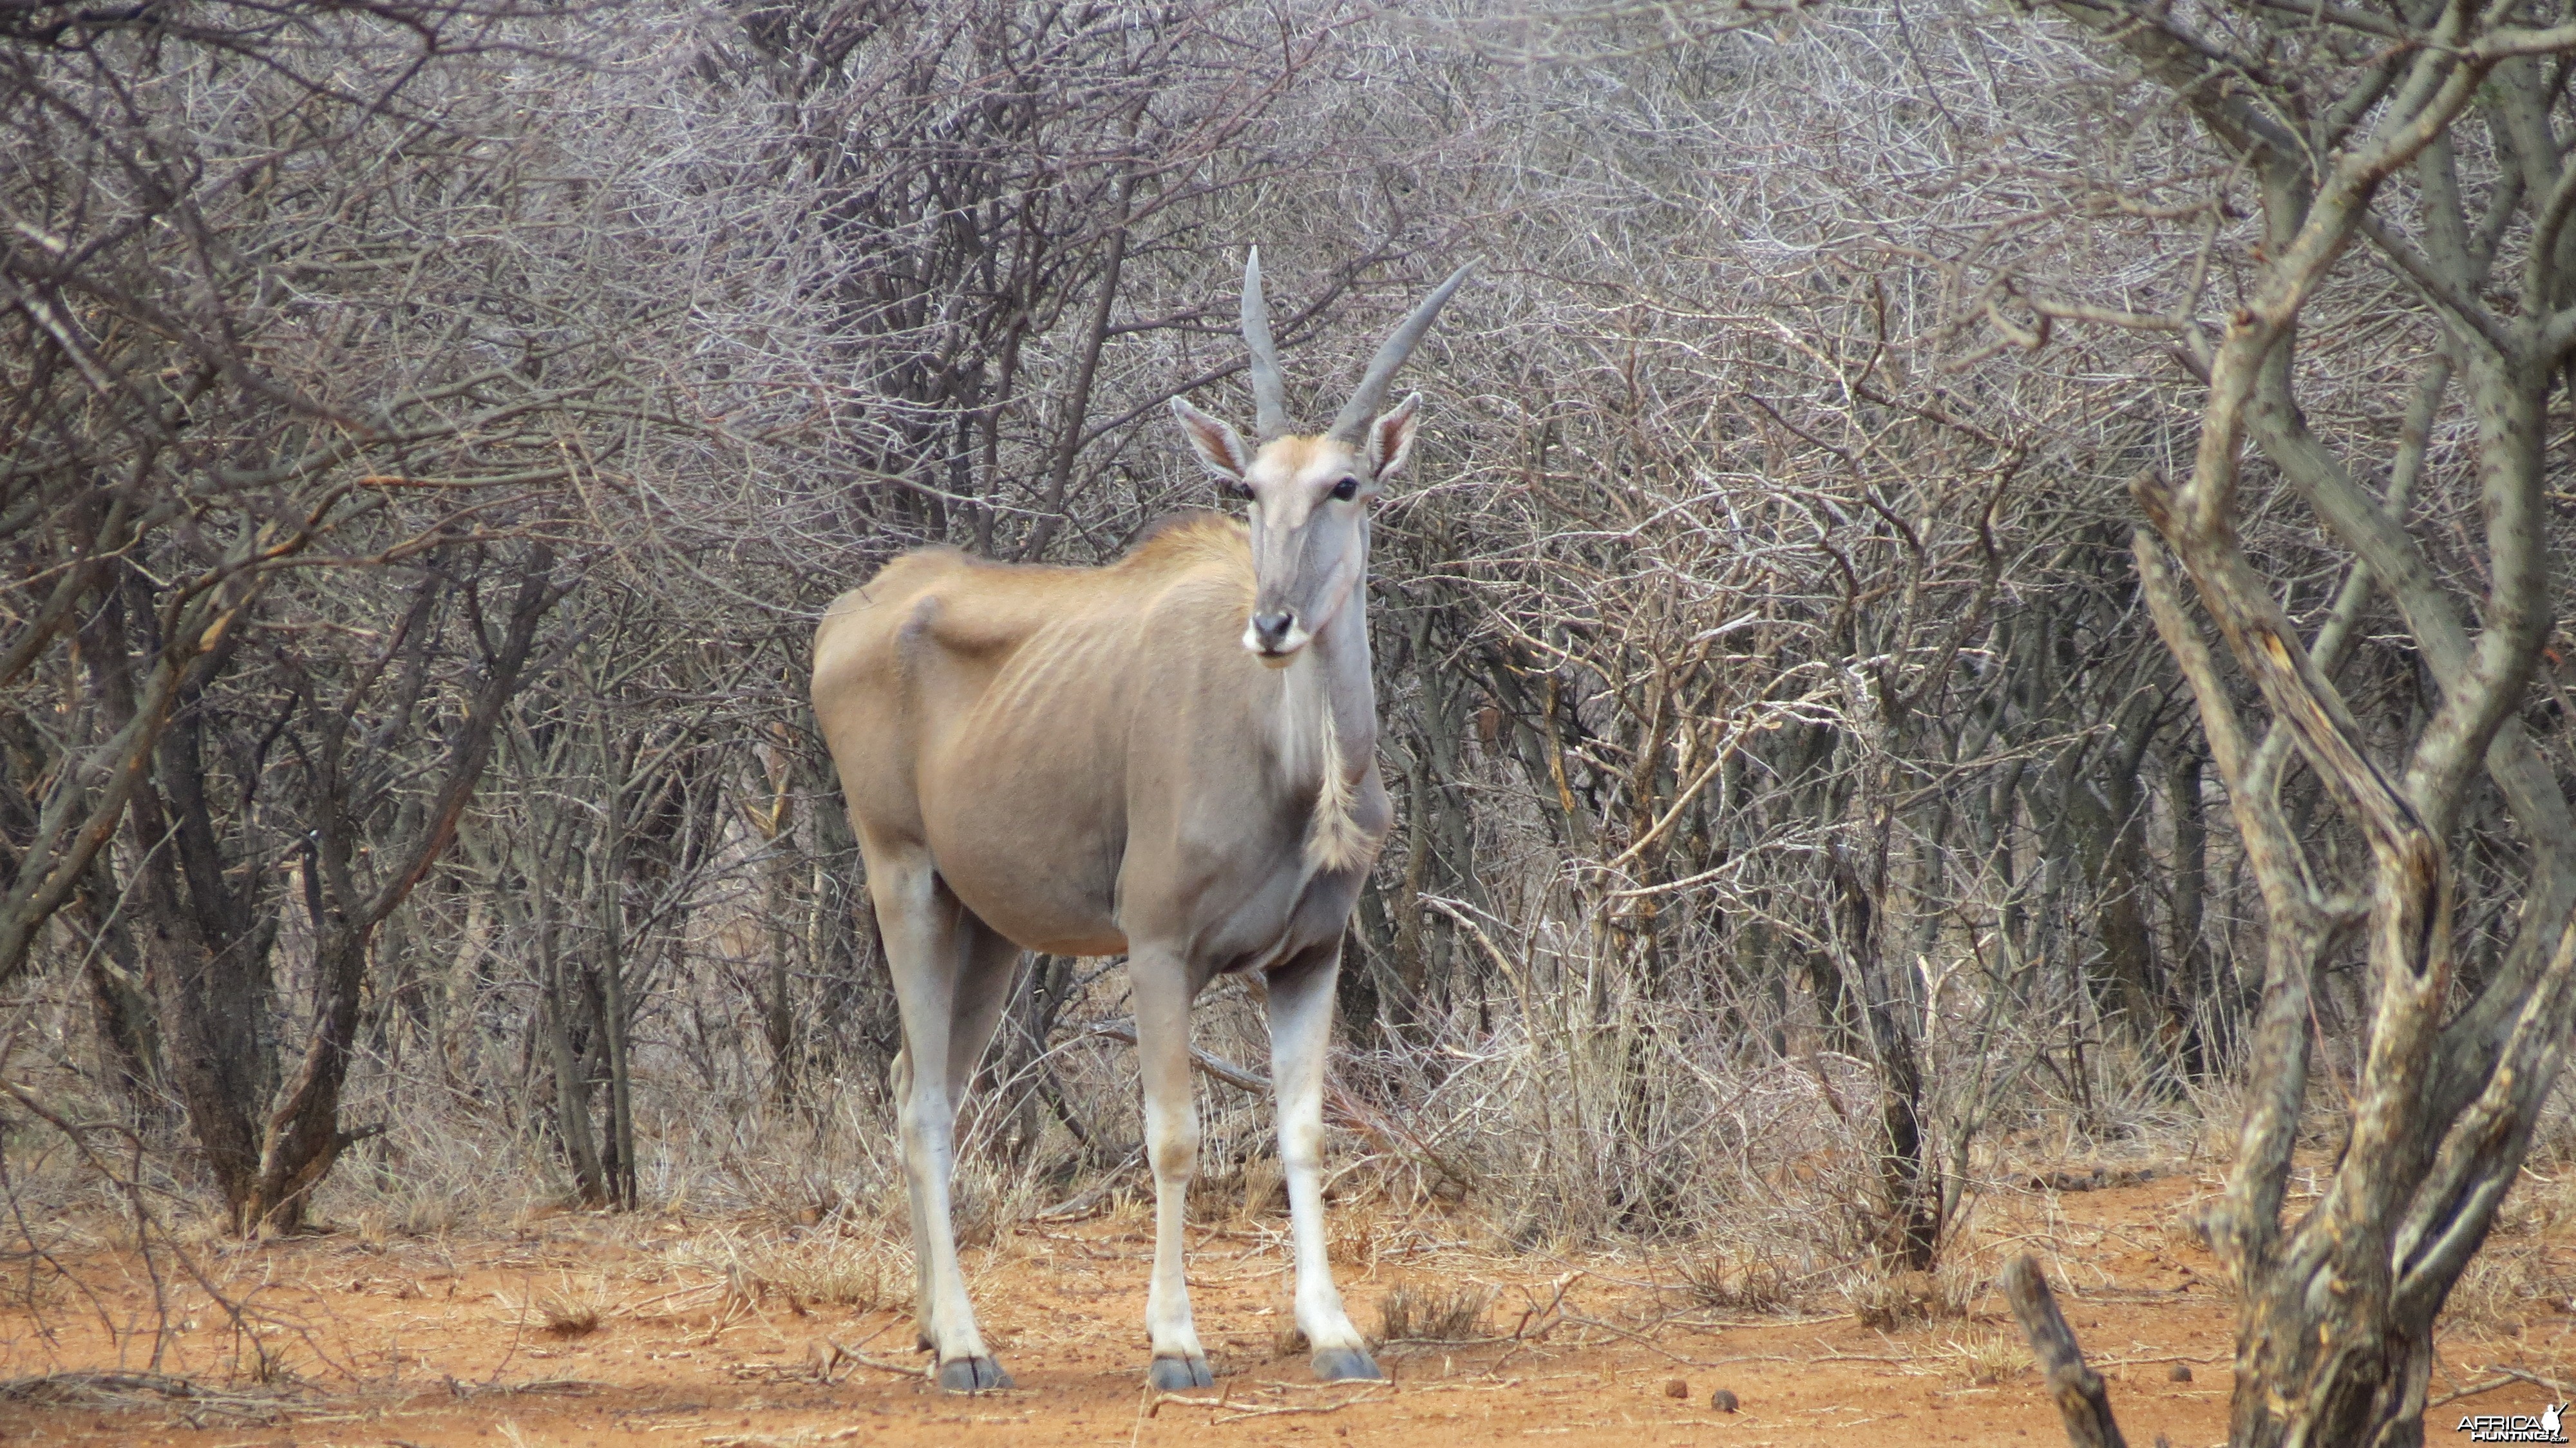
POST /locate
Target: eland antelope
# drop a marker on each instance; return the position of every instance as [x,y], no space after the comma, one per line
[1173,756]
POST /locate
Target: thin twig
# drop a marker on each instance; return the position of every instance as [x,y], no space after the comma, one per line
[863,1360]
[1287,1409]
[2471,1391]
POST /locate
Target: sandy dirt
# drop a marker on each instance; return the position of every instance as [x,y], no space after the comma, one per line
[424,1342]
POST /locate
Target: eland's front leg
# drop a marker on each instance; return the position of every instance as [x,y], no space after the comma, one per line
[1301,1028]
[1160,985]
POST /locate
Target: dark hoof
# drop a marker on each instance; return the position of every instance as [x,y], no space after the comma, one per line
[1338,1364]
[1172,1374]
[972,1375]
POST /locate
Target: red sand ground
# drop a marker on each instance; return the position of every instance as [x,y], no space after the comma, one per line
[418,1343]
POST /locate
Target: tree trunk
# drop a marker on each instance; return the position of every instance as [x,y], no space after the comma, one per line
[302,1137]
[1910,1200]
[564,1004]
[610,883]
[2205,1012]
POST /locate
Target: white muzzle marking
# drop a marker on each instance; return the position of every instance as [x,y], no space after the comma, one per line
[1288,649]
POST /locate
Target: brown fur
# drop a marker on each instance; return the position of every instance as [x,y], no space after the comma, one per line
[1292,457]
[1187,540]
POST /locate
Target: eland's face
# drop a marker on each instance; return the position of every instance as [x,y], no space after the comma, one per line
[1309,501]
[1310,495]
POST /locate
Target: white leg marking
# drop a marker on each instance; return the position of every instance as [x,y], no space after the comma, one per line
[899,1081]
[1160,987]
[1301,1025]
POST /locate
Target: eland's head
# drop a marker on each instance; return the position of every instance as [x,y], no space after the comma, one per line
[1310,495]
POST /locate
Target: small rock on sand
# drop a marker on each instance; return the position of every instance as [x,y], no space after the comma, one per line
[2180,1372]
[1676,1388]
[1722,1400]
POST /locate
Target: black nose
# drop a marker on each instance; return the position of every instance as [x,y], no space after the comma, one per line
[1272,628]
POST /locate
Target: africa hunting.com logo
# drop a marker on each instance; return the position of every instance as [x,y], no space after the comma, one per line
[2547,1427]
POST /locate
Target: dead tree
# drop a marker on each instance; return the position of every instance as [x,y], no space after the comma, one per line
[2425,143]
[272,445]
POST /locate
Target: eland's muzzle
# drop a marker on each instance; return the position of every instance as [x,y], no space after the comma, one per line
[1274,638]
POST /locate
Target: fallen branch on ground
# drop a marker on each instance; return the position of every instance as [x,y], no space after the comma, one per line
[92,1389]
[1640,1339]
[2081,1400]
[83,1386]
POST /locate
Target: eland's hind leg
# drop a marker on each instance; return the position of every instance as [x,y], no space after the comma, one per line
[899,1089]
[1301,1028]
[932,951]
[988,968]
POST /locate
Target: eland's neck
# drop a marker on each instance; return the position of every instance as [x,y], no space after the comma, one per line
[1329,693]
[1328,738]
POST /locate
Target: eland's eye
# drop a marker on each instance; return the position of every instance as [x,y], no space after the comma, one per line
[1241,489]
[1346,489]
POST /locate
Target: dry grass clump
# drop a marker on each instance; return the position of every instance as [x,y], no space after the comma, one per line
[807,1272]
[1740,1282]
[423,1214]
[1413,1313]
[987,1199]
[1897,1298]
[1988,1355]
[1265,1187]
[1130,1213]
[1353,1235]
[574,1311]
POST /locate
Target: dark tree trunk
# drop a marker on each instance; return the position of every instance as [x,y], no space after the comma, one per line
[1910,1196]
[2205,1012]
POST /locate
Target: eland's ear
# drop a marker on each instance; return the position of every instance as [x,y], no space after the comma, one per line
[1390,438]
[1217,444]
